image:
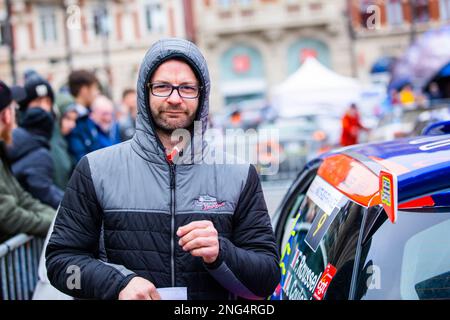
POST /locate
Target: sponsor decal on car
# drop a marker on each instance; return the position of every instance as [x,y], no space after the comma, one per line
[301,279]
[319,228]
[388,194]
[324,283]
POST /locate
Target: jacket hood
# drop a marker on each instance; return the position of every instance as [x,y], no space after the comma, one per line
[25,142]
[39,122]
[145,142]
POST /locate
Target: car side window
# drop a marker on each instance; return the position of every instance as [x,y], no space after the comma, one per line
[290,209]
[407,260]
[318,258]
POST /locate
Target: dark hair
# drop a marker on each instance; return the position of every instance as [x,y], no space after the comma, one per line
[80,78]
[127,92]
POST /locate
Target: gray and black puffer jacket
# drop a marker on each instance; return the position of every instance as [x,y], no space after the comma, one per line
[124,204]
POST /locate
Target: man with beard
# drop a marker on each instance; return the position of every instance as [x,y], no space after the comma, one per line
[19,211]
[142,221]
[30,156]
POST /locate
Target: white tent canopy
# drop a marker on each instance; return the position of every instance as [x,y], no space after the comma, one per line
[312,89]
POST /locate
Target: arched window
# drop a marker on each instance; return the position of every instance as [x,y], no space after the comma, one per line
[304,48]
[241,62]
[242,75]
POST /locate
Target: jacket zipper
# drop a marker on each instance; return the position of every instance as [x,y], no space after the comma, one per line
[172,213]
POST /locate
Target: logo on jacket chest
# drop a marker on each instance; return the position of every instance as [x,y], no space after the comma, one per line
[208,203]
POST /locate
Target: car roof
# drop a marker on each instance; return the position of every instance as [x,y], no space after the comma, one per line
[421,164]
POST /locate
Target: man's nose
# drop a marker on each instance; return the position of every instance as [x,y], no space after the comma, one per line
[174,97]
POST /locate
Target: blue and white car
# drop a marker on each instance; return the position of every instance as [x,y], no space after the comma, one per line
[370,221]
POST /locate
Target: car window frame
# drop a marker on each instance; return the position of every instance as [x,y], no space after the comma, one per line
[301,184]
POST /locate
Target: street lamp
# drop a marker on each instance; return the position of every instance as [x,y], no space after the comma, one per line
[65,4]
[9,40]
[412,34]
[352,37]
[103,26]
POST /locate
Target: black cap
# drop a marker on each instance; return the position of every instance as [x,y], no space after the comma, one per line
[7,95]
[35,87]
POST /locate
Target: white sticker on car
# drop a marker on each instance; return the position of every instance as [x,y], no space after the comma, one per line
[325,196]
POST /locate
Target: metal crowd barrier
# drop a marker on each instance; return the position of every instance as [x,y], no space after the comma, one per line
[19,262]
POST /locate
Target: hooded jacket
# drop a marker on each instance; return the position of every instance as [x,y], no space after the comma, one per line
[124,204]
[32,164]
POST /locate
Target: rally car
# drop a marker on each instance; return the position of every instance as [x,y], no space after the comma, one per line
[369,222]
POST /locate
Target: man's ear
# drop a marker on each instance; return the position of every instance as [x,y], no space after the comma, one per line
[7,116]
[83,90]
[4,115]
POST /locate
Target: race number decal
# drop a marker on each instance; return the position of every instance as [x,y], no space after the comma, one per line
[319,228]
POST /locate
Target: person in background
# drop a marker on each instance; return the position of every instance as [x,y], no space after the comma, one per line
[236,119]
[32,164]
[19,211]
[407,97]
[67,120]
[127,120]
[98,131]
[351,126]
[84,87]
[434,92]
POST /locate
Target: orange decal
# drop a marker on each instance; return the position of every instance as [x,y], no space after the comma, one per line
[351,178]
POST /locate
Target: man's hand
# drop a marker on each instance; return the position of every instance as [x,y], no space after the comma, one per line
[201,239]
[139,289]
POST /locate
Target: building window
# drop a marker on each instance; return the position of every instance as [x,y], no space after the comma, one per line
[394,11]
[47,20]
[245,3]
[444,8]
[3,36]
[225,4]
[154,17]
[421,12]
[101,21]
[302,49]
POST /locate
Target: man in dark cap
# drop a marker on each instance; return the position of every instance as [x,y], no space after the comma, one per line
[19,211]
[30,156]
[39,93]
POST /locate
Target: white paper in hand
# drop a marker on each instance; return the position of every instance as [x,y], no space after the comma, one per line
[173,293]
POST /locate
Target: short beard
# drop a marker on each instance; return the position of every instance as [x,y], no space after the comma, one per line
[168,129]
[164,128]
